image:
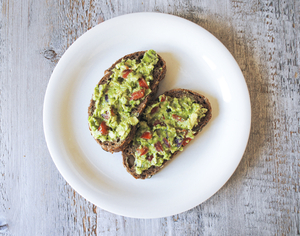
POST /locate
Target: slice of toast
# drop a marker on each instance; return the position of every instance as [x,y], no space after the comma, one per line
[129,153]
[159,72]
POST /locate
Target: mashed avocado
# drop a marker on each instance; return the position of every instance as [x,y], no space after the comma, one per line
[166,128]
[114,101]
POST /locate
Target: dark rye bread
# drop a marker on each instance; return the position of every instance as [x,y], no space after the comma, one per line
[128,153]
[158,75]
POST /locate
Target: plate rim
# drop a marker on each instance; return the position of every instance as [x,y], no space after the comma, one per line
[52,152]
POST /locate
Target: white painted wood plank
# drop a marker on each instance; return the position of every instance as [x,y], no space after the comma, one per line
[261,198]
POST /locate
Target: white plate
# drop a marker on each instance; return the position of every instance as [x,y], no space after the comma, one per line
[195,60]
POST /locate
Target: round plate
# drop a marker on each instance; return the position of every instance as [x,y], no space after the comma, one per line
[195,60]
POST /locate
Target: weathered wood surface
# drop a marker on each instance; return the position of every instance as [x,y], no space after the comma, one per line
[261,198]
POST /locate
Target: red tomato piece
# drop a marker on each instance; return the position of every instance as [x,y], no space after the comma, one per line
[103,128]
[154,109]
[158,147]
[163,98]
[138,94]
[176,117]
[186,141]
[146,135]
[150,158]
[143,83]
[112,112]
[125,73]
[142,150]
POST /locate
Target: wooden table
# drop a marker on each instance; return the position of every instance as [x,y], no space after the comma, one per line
[261,198]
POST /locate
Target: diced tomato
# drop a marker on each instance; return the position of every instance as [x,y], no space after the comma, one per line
[142,150]
[163,98]
[158,147]
[112,112]
[150,158]
[103,128]
[186,141]
[154,109]
[125,73]
[146,135]
[138,94]
[176,117]
[166,142]
[143,83]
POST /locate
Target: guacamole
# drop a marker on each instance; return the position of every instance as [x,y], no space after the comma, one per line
[166,128]
[126,89]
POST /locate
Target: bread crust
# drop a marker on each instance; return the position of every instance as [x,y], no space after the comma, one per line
[158,75]
[128,153]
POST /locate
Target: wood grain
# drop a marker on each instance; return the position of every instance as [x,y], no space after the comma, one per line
[261,198]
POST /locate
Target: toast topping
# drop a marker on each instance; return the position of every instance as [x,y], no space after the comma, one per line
[103,129]
[143,83]
[138,94]
[129,83]
[146,135]
[170,123]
